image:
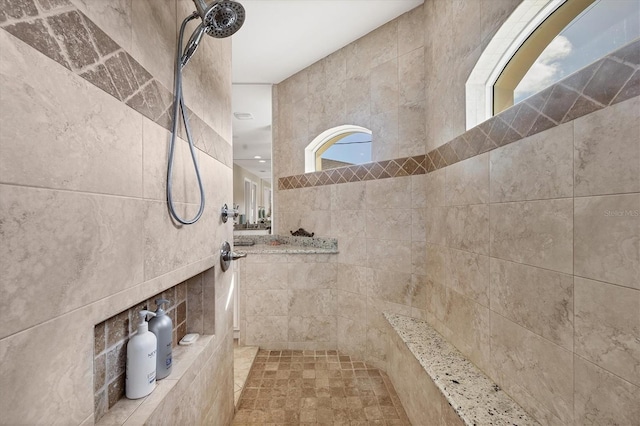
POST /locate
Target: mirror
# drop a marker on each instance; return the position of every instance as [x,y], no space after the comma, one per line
[252,176]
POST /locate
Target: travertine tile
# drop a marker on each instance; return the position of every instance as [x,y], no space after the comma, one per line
[435,218]
[348,196]
[435,263]
[537,233]
[265,329]
[309,302]
[435,182]
[418,225]
[607,150]
[353,251]
[351,305]
[467,182]
[267,302]
[411,30]
[418,255]
[392,286]
[537,299]
[603,398]
[411,70]
[533,367]
[165,246]
[312,329]
[353,278]
[104,135]
[419,191]
[384,130]
[72,400]
[467,228]
[468,274]
[466,326]
[389,224]
[329,387]
[264,276]
[607,235]
[312,275]
[607,325]
[389,255]
[46,270]
[411,129]
[384,87]
[388,192]
[537,167]
[348,223]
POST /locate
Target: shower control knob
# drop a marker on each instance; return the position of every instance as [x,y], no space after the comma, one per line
[226,256]
[227,213]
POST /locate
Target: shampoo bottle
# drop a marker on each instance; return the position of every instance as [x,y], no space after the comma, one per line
[141,360]
[162,327]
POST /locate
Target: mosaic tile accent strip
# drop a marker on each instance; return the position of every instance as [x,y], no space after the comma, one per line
[612,79]
[110,345]
[60,31]
[317,387]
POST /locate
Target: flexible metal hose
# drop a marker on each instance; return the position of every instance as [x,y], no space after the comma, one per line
[178,107]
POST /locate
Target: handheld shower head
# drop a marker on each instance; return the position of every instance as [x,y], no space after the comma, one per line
[220,19]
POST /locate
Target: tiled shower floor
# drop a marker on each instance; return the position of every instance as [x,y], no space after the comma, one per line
[317,387]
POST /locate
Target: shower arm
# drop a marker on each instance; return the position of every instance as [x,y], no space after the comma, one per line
[201,7]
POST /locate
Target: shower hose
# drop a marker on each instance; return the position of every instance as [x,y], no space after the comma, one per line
[179,108]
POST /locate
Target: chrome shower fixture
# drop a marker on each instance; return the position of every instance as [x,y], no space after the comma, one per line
[220,19]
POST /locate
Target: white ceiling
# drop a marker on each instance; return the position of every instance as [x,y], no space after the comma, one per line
[280,38]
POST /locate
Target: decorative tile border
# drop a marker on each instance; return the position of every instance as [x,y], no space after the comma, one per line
[59,30]
[612,79]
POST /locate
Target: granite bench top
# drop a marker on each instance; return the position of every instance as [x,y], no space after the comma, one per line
[476,399]
[276,244]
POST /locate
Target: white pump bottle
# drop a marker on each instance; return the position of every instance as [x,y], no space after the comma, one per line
[141,360]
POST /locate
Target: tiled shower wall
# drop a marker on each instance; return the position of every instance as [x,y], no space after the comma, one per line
[289,301]
[84,86]
[525,256]
[405,81]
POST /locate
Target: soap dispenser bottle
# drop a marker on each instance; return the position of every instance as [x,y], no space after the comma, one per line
[141,360]
[162,327]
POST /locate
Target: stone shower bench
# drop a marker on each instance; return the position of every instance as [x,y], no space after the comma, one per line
[439,386]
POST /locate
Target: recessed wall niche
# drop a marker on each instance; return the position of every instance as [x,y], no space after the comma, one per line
[188,313]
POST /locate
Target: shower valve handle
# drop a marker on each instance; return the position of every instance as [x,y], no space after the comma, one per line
[227,255]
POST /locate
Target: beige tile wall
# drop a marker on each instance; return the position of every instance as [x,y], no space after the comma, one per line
[288,301]
[86,233]
[405,81]
[535,286]
[527,258]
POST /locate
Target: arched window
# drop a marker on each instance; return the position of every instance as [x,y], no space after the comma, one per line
[543,42]
[338,147]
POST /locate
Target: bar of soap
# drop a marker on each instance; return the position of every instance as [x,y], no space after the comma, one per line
[189,339]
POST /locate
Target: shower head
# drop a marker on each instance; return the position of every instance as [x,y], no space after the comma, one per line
[220,19]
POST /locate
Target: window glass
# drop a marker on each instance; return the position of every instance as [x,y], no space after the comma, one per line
[601,28]
[347,150]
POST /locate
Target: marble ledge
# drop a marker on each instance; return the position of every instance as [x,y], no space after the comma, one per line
[474,397]
[276,244]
